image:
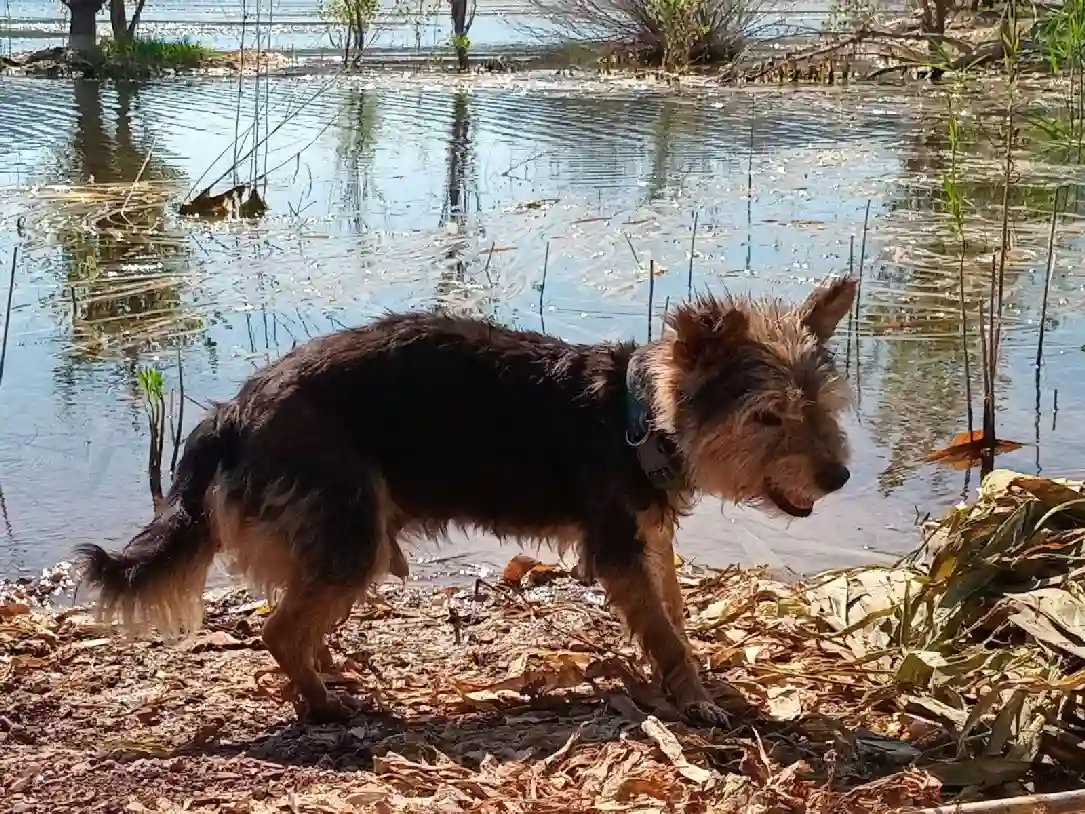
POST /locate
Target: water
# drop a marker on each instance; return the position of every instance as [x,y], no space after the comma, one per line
[397,191]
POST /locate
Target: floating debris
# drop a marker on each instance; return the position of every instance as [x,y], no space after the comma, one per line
[240,202]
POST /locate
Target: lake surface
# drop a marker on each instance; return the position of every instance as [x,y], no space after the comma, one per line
[395,191]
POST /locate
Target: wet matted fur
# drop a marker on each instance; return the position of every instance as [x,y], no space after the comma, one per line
[329,458]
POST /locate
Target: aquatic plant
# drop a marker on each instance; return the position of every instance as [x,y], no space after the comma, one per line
[1061,39]
[160,409]
[143,56]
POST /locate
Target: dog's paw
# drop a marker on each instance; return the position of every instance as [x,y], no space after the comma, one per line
[336,709]
[705,713]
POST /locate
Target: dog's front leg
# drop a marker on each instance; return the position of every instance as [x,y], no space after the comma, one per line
[658,537]
[631,573]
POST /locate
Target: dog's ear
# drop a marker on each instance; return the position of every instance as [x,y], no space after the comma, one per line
[827,305]
[704,327]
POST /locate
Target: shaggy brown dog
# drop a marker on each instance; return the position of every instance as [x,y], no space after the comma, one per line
[326,460]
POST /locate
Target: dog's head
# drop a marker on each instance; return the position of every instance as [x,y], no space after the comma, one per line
[752,396]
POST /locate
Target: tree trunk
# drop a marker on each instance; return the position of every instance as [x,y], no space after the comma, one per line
[118,21]
[83,31]
[459,30]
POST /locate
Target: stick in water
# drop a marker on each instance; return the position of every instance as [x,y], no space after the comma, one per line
[7,312]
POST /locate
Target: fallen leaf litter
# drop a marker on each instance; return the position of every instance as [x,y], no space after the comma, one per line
[955,676]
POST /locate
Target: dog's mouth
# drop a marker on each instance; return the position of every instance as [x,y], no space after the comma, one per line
[796,505]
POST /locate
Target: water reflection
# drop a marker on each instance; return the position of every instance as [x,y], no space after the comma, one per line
[123,263]
[358,135]
[923,360]
[405,191]
[461,184]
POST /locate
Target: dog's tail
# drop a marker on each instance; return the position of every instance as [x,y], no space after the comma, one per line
[159,576]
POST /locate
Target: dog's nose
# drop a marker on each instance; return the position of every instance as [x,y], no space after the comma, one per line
[833,477]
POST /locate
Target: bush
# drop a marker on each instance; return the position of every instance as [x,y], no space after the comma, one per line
[356,17]
[146,57]
[673,33]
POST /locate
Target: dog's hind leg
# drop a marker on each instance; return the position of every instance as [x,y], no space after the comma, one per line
[315,524]
[629,571]
[294,635]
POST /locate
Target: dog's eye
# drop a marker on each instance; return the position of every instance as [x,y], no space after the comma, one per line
[768,419]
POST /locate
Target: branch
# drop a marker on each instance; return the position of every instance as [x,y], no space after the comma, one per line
[135,18]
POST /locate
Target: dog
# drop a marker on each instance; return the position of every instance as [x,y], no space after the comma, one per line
[328,459]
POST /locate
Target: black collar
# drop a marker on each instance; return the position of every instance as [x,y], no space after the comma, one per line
[659,456]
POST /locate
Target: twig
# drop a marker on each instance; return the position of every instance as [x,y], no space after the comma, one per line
[862,260]
[269,133]
[256,101]
[180,414]
[7,312]
[486,268]
[749,190]
[240,95]
[692,248]
[859,300]
[651,293]
[1047,277]
[852,315]
[139,175]
[542,285]
[990,364]
[998,262]
[629,240]
[267,94]
[1061,802]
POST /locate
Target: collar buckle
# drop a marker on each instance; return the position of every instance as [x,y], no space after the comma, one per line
[658,455]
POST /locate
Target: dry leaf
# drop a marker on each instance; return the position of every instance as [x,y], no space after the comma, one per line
[518,568]
[966,450]
[9,610]
[784,703]
[668,744]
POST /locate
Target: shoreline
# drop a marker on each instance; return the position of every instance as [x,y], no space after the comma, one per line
[524,693]
[862,57]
